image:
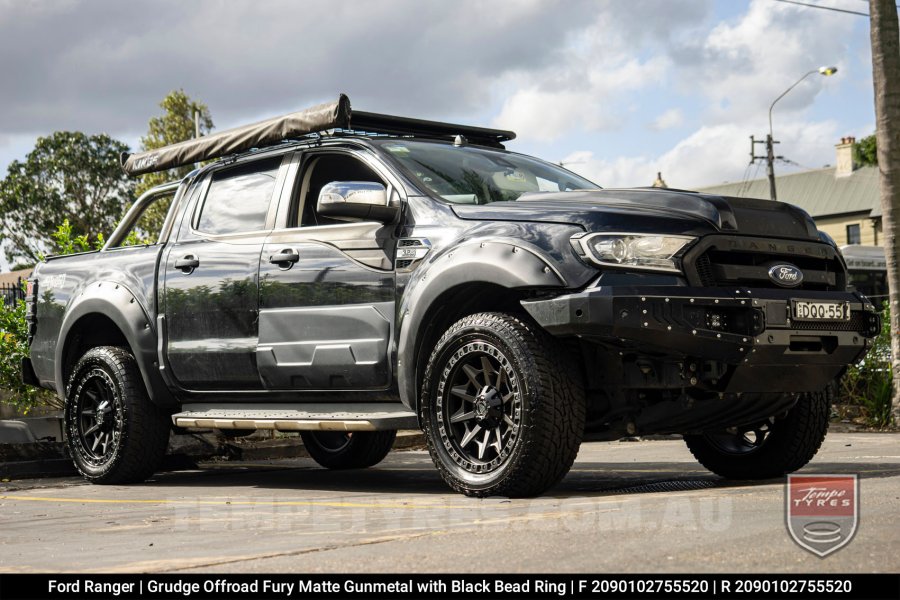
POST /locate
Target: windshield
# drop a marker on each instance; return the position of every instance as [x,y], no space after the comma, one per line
[467,175]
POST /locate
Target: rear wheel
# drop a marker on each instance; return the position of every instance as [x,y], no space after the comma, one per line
[113,431]
[503,408]
[348,450]
[771,448]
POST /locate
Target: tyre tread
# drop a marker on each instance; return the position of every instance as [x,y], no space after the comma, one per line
[796,441]
[557,407]
[146,436]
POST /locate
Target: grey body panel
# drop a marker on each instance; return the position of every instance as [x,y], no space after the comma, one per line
[117,284]
[327,347]
[212,313]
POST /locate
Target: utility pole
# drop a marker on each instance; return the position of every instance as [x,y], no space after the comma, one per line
[769,157]
[770,165]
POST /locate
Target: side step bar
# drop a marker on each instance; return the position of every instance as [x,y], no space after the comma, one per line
[302,417]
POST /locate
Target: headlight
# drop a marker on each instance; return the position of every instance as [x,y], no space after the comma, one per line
[633,250]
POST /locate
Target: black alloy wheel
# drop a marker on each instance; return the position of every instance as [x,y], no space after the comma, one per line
[98,417]
[480,406]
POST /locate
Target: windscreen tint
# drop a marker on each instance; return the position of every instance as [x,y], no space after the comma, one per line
[468,175]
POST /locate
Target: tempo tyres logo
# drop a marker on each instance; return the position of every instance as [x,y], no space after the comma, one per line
[822,511]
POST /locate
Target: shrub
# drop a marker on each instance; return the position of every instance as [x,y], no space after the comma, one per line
[870,383]
[14,347]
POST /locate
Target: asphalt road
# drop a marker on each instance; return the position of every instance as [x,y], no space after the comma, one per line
[626,506]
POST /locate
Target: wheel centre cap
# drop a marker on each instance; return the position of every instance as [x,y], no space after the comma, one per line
[481,407]
[487,405]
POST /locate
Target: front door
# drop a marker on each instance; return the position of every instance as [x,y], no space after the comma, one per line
[326,291]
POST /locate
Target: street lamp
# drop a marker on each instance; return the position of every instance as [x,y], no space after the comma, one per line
[770,140]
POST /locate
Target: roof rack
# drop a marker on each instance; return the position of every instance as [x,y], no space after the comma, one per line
[320,118]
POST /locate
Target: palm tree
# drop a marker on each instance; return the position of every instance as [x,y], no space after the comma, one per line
[886,76]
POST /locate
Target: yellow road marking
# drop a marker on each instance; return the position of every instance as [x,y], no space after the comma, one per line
[230,502]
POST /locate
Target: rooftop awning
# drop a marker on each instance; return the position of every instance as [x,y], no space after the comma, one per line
[324,117]
[265,133]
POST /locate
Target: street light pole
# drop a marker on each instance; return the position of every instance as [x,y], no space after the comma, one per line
[770,138]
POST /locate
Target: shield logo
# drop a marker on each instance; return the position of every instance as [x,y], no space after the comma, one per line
[822,511]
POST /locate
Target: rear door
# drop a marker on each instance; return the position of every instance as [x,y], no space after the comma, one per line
[211,292]
[327,288]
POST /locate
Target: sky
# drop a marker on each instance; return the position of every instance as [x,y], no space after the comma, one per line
[617,90]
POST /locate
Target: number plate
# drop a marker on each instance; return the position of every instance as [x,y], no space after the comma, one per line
[807,310]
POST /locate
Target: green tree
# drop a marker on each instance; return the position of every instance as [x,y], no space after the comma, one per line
[865,152]
[68,175]
[176,124]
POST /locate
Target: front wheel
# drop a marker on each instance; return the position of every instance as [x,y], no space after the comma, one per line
[113,431]
[768,449]
[348,450]
[503,408]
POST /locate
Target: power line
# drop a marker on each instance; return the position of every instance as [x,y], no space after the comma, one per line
[832,8]
[841,10]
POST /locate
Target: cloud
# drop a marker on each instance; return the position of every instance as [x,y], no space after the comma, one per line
[623,50]
[551,70]
[733,73]
[669,119]
[105,64]
[711,155]
[741,67]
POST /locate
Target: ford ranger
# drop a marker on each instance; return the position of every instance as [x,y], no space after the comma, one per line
[345,274]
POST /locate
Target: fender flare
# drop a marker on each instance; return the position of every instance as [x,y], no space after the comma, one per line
[119,304]
[506,263]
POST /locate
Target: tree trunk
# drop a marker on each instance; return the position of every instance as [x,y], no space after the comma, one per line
[886,76]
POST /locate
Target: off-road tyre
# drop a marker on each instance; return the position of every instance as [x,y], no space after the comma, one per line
[788,444]
[541,407]
[135,431]
[348,450]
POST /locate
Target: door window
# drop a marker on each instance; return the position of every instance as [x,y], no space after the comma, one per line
[238,198]
[321,170]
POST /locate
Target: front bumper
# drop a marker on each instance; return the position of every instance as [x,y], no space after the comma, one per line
[751,329]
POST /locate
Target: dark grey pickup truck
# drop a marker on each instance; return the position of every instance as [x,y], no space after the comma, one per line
[347,274]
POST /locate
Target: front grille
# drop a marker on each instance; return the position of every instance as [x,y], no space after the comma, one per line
[728,261]
[705,271]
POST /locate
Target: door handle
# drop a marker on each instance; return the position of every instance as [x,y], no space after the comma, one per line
[284,258]
[187,263]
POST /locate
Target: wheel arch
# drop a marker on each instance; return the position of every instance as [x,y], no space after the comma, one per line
[109,314]
[474,277]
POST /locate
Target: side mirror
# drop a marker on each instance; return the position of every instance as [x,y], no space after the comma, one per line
[356,199]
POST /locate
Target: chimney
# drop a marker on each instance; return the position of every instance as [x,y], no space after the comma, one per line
[844,165]
[660,182]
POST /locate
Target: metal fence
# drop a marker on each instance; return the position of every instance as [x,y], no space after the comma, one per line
[10,292]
